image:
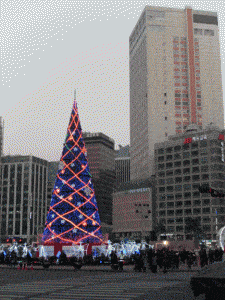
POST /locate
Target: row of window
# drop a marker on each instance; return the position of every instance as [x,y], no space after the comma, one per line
[194,145]
[186,178]
[180,228]
[180,196]
[196,161]
[204,202]
[205,219]
[207,32]
[189,211]
[176,156]
[186,170]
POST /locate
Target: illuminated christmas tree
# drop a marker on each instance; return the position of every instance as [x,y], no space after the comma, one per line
[73,213]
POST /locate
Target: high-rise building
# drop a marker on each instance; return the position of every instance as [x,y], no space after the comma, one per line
[122,164]
[175,79]
[101,160]
[182,164]
[23,197]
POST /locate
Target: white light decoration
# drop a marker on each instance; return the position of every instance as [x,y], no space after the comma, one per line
[80,216]
[62,221]
[221,234]
[53,215]
[87,191]
[75,148]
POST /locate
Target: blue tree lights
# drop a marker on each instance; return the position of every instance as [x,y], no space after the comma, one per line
[73,214]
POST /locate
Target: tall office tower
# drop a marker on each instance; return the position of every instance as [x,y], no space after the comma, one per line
[175,79]
[101,160]
[23,197]
[122,164]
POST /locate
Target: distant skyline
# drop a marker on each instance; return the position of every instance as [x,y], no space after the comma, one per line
[52,48]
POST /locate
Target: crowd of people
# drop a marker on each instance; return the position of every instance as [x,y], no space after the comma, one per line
[163,259]
[166,259]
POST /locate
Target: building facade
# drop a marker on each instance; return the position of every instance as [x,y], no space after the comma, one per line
[134,209]
[101,160]
[175,79]
[122,164]
[23,197]
[53,167]
[182,164]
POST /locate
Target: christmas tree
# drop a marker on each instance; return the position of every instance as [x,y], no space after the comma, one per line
[73,213]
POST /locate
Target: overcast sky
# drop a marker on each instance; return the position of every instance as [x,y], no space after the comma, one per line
[50,48]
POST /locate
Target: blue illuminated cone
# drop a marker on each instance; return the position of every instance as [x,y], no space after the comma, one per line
[73,213]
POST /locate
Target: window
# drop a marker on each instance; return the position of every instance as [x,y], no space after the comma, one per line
[169,165]
[161,181]
[161,151]
[169,188]
[179,203]
[196,195]
[187,203]
[195,186]
[187,178]
[197,203]
[177,164]
[204,160]
[186,154]
[165,118]
[170,212]
[177,148]
[186,146]
[186,162]
[194,153]
[170,197]
[206,210]
[206,201]
[169,150]
[209,32]
[165,94]
[162,213]
[186,171]
[195,177]
[178,196]
[195,161]
[170,221]
[178,187]
[178,179]
[170,205]
[161,166]
[177,172]
[205,176]
[206,220]
[206,228]
[161,174]
[177,156]
[179,228]
[162,189]
[161,158]
[169,180]
[197,31]
[197,211]
[187,195]
[187,211]
[162,205]
[169,173]
[169,157]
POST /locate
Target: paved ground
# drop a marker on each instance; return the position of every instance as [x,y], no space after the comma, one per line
[94,283]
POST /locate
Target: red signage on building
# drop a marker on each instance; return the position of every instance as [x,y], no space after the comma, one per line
[187,140]
[221,137]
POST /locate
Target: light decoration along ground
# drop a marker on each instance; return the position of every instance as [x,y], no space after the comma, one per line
[73,214]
